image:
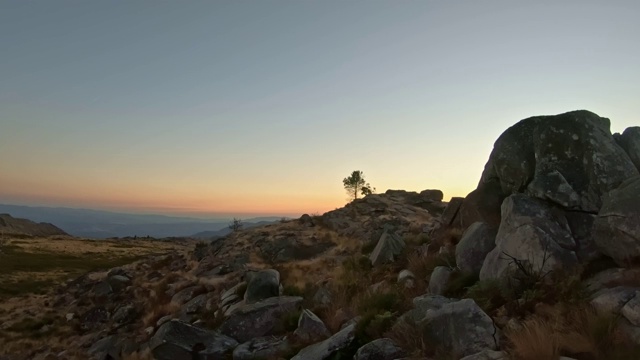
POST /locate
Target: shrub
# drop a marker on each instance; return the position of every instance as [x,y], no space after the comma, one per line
[459,283]
[488,294]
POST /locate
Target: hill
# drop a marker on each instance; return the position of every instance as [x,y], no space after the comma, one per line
[540,261]
[98,224]
[10,226]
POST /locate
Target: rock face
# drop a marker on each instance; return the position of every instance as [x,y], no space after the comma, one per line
[476,242]
[262,284]
[323,350]
[179,340]
[532,232]
[380,349]
[617,227]
[259,319]
[388,248]
[569,159]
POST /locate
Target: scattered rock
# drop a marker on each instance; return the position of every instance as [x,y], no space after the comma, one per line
[261,285]
[432,194]
[326,348]
[439,280]
[311,328]
[260,319]
[407,278]
[178,340]
[261,348]
[322,297]
[388,248]
[306,220]
[185,295]
[380,349]
[94,318]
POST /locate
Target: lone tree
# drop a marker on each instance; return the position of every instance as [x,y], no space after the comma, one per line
[356,184]
[236,225]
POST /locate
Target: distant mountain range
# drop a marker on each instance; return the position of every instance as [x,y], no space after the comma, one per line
[18,227]
[100,224]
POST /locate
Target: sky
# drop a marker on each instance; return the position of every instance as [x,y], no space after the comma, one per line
[263,107]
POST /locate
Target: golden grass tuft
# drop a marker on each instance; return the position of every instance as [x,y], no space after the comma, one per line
[158,311]
[138,355]
[578,332]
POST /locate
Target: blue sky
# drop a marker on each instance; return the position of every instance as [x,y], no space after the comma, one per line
[264,106]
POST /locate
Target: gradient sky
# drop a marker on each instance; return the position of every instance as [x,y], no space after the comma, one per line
[263,107]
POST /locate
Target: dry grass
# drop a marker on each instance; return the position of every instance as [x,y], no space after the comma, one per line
[157,311]
[138,355]
[577,332]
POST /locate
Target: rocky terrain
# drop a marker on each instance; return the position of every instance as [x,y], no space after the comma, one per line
[539,262]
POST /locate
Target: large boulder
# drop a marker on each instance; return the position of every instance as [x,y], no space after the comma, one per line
[617,227]
[476,242]
[439,280]
[456,326]
[482,204]
[324,349]
[262,284]
[177,340]
[569,159]
[533,233]
[263,318]
[629,140]
[388,248]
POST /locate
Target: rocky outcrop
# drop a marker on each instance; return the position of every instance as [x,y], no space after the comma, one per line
[365,218]
[617,227]
[569,159]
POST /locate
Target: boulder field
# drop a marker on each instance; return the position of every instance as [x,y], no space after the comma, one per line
[540,261]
